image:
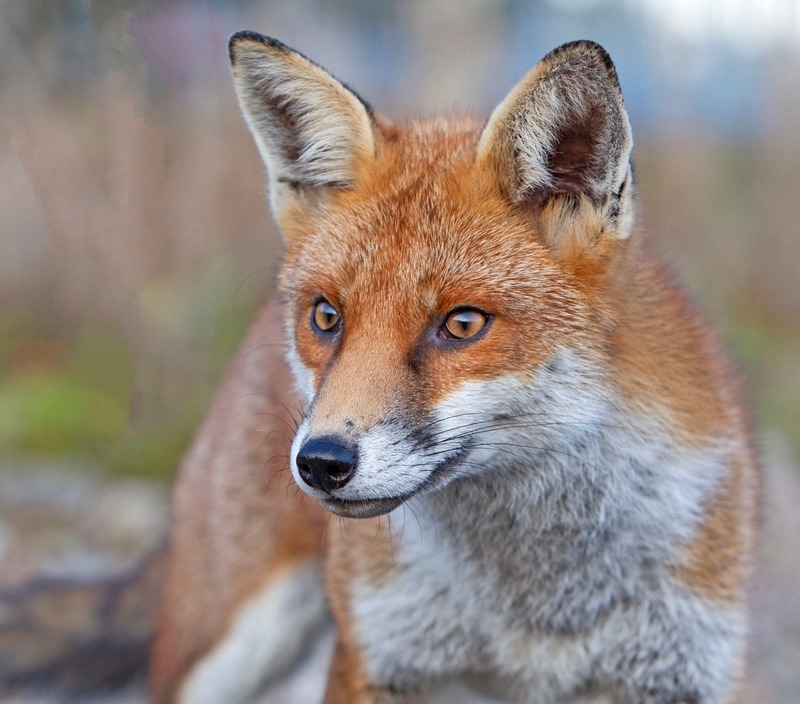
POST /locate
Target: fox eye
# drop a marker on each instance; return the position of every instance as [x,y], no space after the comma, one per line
[464,323]
[325,318]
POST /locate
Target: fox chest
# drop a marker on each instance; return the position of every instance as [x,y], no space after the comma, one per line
[444,615]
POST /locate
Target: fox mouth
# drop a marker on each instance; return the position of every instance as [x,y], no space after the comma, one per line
[369,508]
[363,508]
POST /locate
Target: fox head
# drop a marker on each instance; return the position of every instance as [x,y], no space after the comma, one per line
[443,282]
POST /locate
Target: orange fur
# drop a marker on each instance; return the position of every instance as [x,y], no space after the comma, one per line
[714,563]
[395,203]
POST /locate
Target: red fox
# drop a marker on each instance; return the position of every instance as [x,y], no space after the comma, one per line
[543,473]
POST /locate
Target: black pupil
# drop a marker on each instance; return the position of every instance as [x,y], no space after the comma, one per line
[328,315]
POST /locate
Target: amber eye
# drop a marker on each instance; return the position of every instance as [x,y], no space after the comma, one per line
[325,318]
[464,323]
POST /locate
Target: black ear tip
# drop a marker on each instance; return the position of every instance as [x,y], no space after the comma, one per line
[246,36]
[584,47]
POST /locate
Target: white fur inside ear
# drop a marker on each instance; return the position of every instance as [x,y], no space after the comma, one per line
[553,109]
[564,129]
[309,128]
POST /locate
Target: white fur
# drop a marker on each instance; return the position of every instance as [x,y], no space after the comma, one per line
[266,637]
[303,376]
[305,684]
[554,461]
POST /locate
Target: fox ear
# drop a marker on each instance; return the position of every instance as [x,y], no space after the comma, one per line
[312,131]
[561,142]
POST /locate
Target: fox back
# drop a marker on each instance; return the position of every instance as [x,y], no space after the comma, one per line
[535,444]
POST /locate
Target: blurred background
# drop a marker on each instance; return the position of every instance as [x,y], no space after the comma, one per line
[136,243]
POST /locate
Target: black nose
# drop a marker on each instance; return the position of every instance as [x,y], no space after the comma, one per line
[326,464]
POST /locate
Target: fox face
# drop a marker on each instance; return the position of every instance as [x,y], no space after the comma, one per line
[444,282]
[416,325]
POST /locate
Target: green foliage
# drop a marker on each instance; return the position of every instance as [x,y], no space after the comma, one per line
[54,412]
[62,397]
[71,391]
[767,349]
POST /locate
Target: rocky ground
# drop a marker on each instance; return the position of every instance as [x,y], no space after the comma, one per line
[61,520]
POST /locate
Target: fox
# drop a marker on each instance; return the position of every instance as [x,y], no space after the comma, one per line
[541,467]
[481,438]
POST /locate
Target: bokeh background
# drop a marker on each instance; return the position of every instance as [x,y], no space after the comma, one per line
[136,242]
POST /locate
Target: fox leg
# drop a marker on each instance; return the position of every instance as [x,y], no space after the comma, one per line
[356,551]
[244,594]
[349,684]
[346,678]
[267,636]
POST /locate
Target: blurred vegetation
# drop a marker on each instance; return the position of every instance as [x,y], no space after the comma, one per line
[137,243]
[71,391]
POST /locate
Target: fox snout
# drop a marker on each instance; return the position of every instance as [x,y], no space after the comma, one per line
[367,471]
[358,475]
